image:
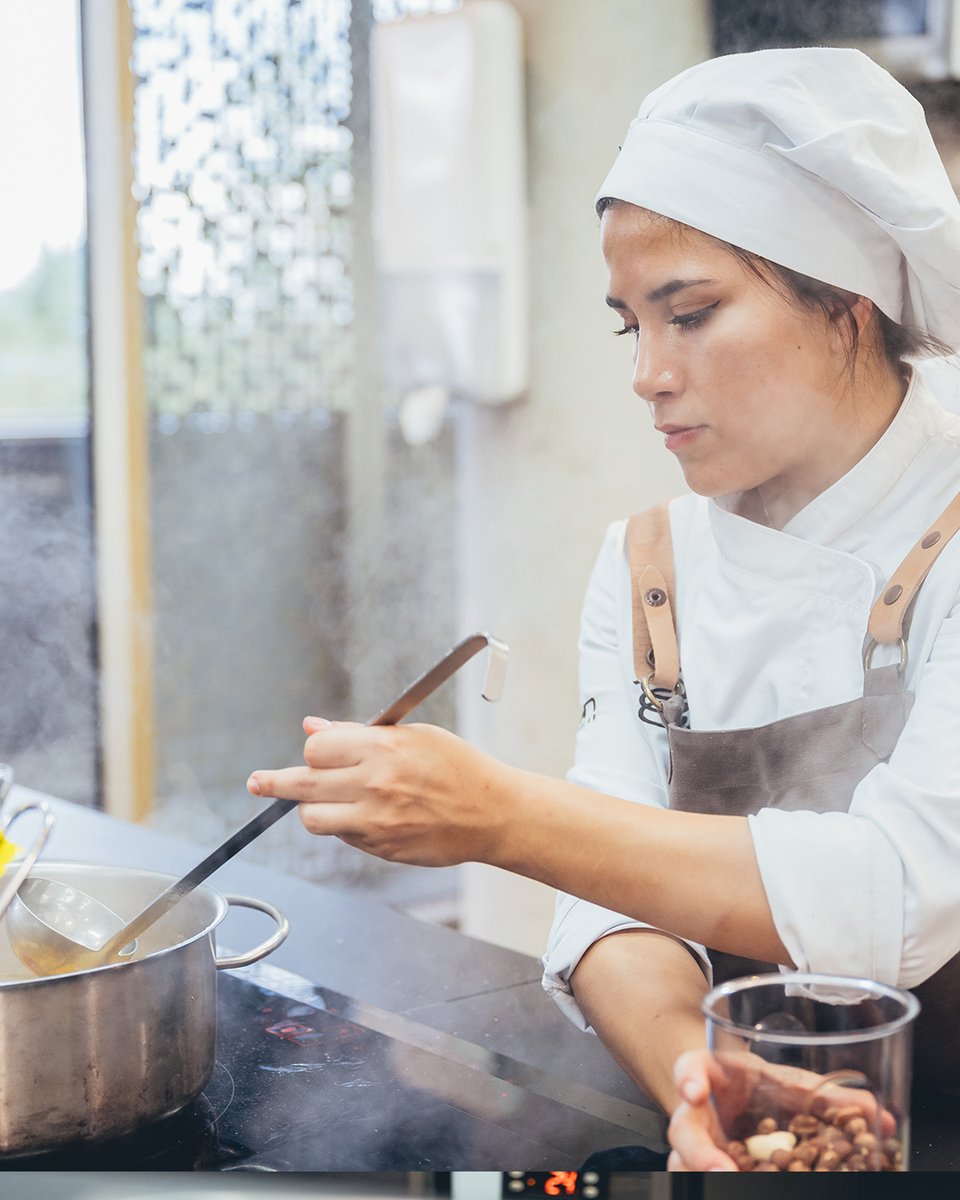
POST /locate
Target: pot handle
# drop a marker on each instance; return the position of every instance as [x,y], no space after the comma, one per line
[23,868]
[276,938]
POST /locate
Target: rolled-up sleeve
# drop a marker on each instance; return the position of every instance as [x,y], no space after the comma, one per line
[875,891]
[616,754]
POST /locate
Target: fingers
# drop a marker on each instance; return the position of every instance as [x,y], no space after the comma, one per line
[288,783]
[694,1130]
[335,819]
[691,1074]
[691,1134]
[341,743]
[329,744]
[305,785]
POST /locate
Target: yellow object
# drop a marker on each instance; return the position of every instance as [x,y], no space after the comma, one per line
[8,851]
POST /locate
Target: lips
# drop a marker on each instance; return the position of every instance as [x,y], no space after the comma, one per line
[677,436]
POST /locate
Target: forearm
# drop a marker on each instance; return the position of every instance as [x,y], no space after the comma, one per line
[692,874]
[641,992]
[419,794]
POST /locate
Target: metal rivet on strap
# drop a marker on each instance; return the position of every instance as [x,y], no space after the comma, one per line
[892,595]
[931,539]
[655,597]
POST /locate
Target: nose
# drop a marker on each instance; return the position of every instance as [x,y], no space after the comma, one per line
[656,372]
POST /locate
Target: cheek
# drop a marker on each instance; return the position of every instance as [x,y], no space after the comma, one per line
[753,364]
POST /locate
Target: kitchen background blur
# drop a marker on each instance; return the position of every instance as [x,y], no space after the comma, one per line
[257,458]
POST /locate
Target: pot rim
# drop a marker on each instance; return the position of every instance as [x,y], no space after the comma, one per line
[163,879]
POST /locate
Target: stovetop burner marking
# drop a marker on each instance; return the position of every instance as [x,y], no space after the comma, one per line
[293,1031]
[292,1068]
[212,1086]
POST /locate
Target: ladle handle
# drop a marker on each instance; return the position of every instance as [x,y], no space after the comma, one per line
[405,703]
[441,671]
[166,900]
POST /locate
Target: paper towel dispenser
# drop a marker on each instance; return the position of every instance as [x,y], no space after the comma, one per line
[449,202]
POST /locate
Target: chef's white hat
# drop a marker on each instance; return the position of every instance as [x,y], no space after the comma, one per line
[814,158]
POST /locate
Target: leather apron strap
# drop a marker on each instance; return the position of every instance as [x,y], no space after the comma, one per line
[887,615]
[653,588]
[650,551]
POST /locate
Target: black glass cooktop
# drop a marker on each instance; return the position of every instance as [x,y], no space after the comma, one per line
[308,1080]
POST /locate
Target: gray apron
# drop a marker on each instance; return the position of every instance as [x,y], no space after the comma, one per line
[811,761]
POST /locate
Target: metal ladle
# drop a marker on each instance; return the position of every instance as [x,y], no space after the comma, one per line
[55,928]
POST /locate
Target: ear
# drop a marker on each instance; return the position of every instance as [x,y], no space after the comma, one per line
[848,311]
[863,311]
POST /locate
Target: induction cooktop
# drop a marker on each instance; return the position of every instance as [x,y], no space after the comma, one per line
[307,1080]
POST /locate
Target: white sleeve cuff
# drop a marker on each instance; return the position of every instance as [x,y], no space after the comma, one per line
[577,925]
[835,888]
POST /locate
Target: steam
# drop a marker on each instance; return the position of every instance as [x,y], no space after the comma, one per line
[275,599]
[48,700]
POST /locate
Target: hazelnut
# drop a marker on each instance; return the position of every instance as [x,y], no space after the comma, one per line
[781,1159]
[803,1125]
[765,1166]
[865,1141]
[854,1126]
[829,1160]
[806,1153]
[767,1125]
[842,1115]
[797,1165]
[762,1145]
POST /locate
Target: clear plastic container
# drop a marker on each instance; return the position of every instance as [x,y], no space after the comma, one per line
[812,1072]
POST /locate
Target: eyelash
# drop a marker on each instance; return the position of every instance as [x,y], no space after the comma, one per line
[685,322]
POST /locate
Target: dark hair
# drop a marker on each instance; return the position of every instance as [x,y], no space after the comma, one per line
[896,342]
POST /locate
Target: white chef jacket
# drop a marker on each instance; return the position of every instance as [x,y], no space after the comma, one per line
[772,623]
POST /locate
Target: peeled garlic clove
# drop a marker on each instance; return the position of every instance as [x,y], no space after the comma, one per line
[762,1145]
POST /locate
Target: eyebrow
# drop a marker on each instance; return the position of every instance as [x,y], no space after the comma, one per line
[660,293]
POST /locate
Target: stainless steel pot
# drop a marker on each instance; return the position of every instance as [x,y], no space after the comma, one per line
[99,1053]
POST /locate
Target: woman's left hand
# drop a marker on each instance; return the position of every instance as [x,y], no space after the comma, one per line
[697,1142]
[716,1089]
[407,793]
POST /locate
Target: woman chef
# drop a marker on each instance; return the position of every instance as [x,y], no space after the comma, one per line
[770,767]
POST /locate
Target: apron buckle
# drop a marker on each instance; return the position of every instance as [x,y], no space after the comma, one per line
[872,645]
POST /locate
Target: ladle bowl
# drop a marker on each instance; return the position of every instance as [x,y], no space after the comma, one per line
[57,928]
